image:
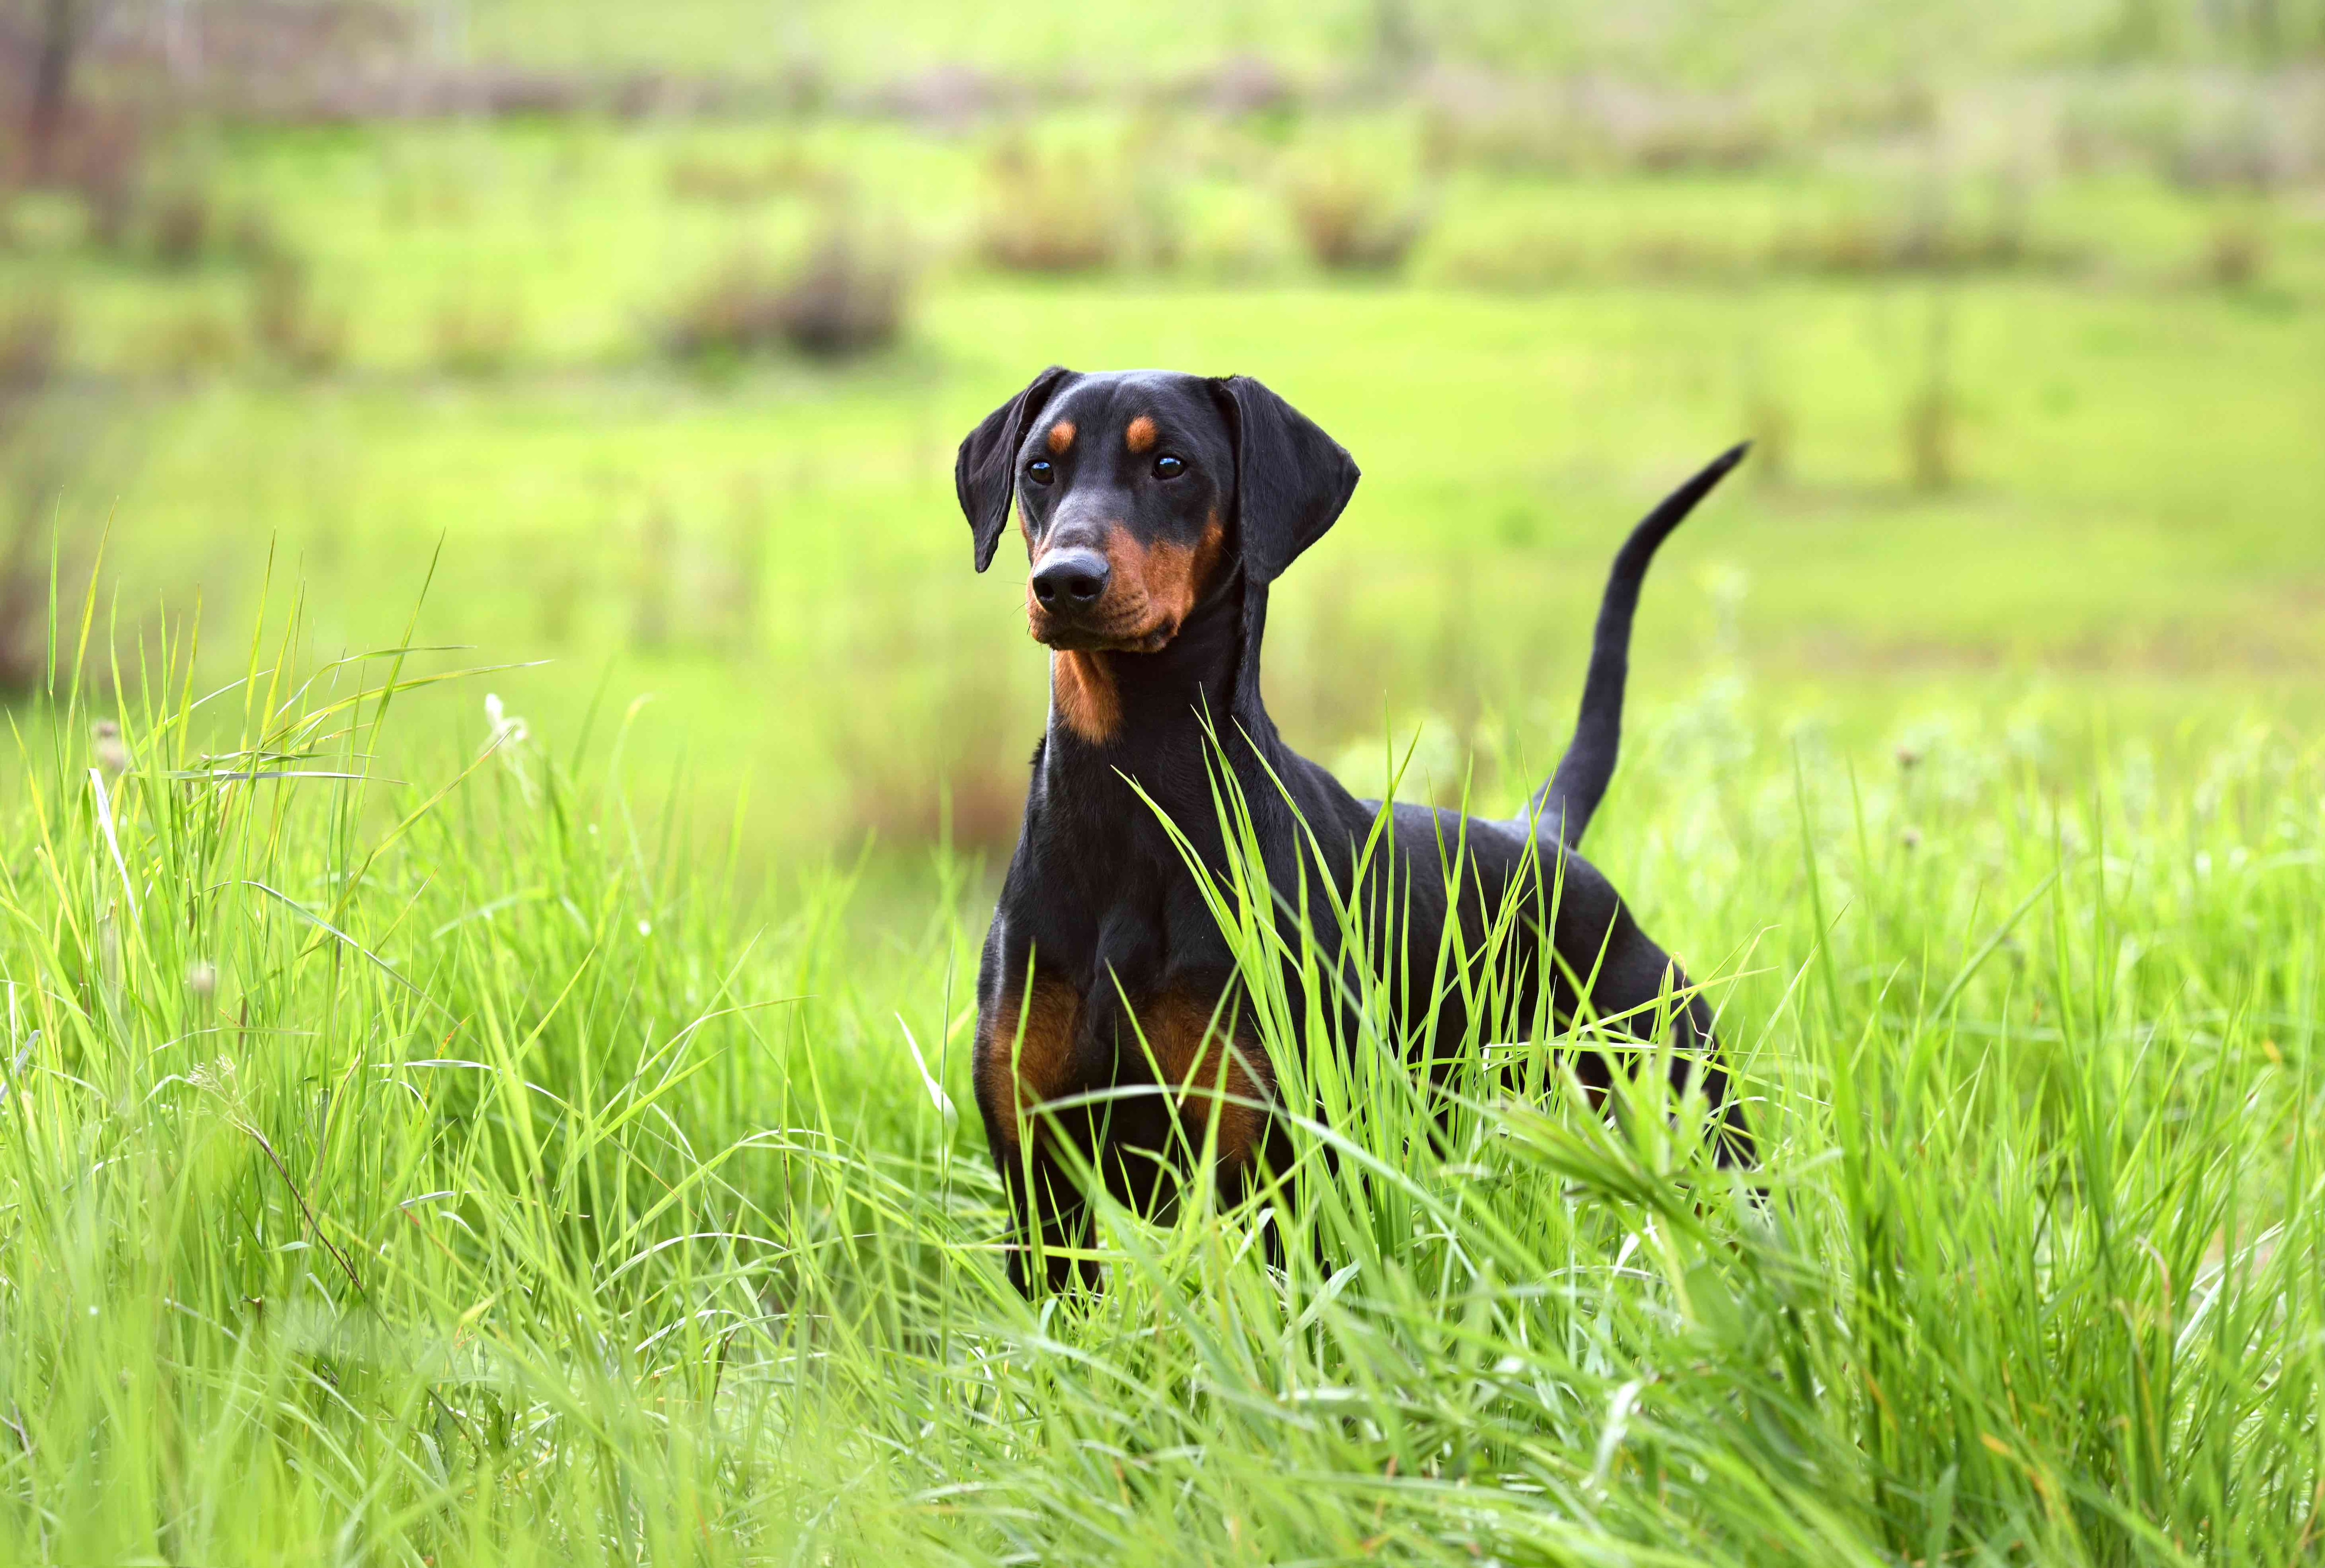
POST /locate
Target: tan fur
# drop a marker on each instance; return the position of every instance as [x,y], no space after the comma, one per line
[1061,437]
[1151,592]
[1176,574]
[1140,437]
[1194,1056]
[1082,686]
[1016,1073]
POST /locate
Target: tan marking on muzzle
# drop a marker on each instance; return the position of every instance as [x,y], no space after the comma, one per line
[1151,590]
[1172,578]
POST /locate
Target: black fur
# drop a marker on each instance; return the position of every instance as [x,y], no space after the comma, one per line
[1575,789]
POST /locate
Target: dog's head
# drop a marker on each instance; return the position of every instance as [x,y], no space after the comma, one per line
[1142,493]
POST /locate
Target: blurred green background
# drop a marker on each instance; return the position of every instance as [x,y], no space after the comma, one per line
[643,338]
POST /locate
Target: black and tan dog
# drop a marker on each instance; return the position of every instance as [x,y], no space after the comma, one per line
[1157,509]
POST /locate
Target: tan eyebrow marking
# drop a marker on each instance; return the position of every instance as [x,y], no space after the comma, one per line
[1062,436]
[1140,434]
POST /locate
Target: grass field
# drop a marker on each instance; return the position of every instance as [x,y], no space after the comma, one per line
[525,1124]
[447,1173]
[2127,512]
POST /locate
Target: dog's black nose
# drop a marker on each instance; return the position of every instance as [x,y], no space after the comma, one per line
[1070,579]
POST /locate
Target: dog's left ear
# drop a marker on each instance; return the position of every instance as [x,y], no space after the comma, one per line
[1291,480]
[985,474]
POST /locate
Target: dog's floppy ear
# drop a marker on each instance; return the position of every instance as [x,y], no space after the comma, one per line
[1291,480]
[985,474]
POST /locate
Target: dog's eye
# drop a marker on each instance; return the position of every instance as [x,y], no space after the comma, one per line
[1039,471]
[1169,467]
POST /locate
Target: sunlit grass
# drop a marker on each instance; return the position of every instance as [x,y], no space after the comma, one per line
[448,1171]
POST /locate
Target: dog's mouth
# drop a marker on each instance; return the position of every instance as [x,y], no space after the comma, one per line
[1101,634]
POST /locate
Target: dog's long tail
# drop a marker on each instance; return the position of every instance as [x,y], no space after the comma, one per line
[1574,791]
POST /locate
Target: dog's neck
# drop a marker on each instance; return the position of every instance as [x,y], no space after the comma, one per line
[1115,709]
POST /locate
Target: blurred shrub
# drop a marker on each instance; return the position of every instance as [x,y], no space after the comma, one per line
[286,320]
[1932,240]
[1481,118]
[251,235]
[1468,123]
[2235,253]
[729,183]
[179,221]
[1684,256]
[1661,137]
[197,341]
[948,97]
[31,345]
[737,309]
[1050,213]
[1248,85]
[2243,153]
[1352,221]
[1239,237]
[2204,130]
[1515,259]
[100,156]
[475,338]
[846,296]
[1863,108]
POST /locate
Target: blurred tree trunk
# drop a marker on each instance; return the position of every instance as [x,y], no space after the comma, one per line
[59,39]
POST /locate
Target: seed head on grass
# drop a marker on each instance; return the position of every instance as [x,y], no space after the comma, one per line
[106,744]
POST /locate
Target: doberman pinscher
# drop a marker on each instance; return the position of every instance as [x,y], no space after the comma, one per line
[1157,509]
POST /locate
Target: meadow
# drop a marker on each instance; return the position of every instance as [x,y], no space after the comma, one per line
[509,772]
[2117,491]
[451,1172]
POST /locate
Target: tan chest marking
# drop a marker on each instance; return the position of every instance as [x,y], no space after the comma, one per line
[1024,1055]
[1082,686]
[1216,1081]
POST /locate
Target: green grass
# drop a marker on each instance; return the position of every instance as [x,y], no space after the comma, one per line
[443,1151]
[452,1171]
[2132,518]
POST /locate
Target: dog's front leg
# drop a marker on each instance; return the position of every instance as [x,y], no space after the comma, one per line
[1030,1052]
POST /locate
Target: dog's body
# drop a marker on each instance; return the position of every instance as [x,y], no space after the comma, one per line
[1157,509]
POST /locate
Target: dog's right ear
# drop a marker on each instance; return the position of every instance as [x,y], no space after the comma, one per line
[985,474]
